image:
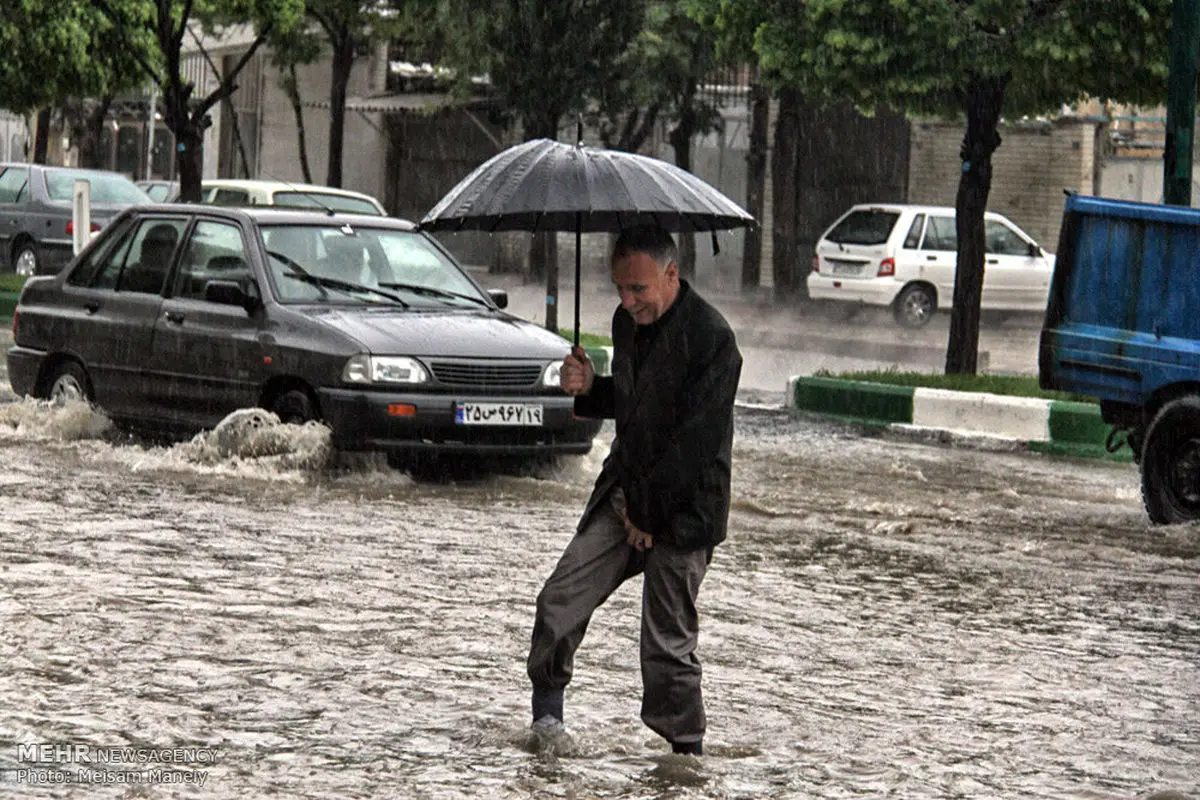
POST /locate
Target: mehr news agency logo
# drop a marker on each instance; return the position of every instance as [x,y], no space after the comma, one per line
[58,763]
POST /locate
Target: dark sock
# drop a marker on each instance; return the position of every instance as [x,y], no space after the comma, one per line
[547,701]
[688,748]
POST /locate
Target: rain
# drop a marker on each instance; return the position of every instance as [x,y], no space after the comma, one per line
[891,616]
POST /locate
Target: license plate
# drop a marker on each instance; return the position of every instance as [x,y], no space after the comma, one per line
[497,414]
[845,267]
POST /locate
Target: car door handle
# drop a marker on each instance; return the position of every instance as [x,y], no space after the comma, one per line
[931,258]
[993,261]
[91,306]
[174,316]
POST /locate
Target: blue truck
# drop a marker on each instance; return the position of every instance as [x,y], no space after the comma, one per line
[1122,325]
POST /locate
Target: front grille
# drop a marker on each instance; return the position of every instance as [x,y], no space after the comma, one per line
[487,375]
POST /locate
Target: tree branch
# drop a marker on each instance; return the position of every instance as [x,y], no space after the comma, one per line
[227,83]
[177,35]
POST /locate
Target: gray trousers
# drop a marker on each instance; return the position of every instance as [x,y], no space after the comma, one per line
[594,564]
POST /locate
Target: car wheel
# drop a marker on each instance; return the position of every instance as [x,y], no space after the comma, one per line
[915,306]
[25,259]
[69,381]
[295,407]
[1171,463]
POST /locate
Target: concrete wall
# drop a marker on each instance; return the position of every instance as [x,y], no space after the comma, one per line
[1139,179]
[14,137]
[365,148]
[1031,168]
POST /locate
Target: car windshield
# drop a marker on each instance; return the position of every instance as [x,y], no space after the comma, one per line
[865,226]
[307,261]
[336,202]
[116,189]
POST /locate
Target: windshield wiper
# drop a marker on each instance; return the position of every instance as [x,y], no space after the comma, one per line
[321,282]
[433,292]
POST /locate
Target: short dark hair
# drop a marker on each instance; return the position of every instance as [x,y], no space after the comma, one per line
[650,239]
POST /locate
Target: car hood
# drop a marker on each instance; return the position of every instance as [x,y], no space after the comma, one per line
[459,333]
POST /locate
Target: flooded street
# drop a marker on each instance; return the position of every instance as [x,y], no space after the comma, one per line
[887,618]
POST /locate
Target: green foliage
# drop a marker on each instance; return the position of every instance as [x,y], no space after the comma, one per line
[11,282]
[54,49]
[545,59]
[586,339]
[920,55]
[657,78]
[1014,385]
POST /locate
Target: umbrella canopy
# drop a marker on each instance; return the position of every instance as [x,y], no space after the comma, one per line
[542,185]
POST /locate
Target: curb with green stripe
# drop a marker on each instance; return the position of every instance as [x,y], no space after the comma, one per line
[1048,426]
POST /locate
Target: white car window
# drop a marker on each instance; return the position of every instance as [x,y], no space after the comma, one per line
[940,234]
[1003,240]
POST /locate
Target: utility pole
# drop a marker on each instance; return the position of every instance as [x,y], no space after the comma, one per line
[1181,102]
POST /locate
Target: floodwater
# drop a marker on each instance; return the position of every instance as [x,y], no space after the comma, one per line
[887,619]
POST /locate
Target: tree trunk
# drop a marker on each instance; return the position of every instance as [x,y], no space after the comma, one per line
[680,138]
[983,100]
[756,179]
[190,161]
[90,134]
[343,62]
[292,86]
[236,134]
[41,141]
[784,161]
[543,254]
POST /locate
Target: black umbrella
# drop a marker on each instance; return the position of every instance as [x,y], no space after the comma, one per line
[542,185]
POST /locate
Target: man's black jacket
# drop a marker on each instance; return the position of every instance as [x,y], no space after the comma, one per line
[672,452]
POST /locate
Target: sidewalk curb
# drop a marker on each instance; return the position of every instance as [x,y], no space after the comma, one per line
[1054,427]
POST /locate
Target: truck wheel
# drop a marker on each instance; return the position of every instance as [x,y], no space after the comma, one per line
[1171,463]
[915,306]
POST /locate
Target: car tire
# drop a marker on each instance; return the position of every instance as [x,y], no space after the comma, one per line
[295,407]
[1171,463]
[68,381]
[915,306]
[25,258]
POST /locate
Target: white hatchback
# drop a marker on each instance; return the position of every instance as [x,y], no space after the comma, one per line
[905,256]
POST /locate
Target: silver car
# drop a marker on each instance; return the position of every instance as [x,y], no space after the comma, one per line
[36,212]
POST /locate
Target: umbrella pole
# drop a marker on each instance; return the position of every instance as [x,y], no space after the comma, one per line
[578,270]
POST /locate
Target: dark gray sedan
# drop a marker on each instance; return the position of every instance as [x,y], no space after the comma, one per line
[36,212]
[176,316]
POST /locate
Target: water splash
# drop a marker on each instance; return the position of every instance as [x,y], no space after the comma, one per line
[70,420]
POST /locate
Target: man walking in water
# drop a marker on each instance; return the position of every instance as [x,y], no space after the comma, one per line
[661,502]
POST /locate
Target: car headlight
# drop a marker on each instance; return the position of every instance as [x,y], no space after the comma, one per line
[384,369]
[552,375]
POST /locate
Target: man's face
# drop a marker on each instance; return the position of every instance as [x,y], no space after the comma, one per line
[646,292]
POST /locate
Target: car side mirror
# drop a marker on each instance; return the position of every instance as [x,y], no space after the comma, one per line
[1034,250]
[231,293]
[499,297]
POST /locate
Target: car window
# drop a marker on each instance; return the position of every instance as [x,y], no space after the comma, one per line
[89,271]
[158,192]
[1003,240]
[151,251]
[940,234]
[914,232]
[228,197]
[297,199]
[865,226]
[107,189]
[12,184]
[215,252]
[372,257]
